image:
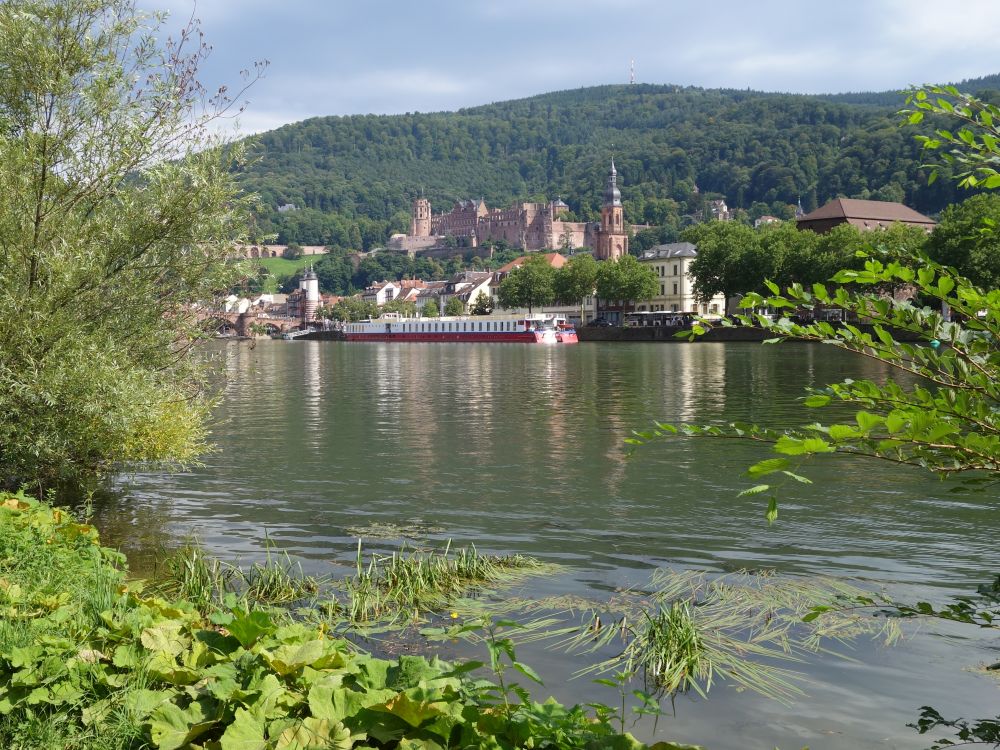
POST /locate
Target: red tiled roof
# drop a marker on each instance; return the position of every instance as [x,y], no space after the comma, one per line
[556,260]
[856,210]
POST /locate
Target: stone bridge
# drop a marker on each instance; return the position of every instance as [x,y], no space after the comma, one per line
[245,324]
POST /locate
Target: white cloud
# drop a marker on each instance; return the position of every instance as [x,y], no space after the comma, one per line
[339,57]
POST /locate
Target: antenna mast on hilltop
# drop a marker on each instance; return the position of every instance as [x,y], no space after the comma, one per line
[631,72]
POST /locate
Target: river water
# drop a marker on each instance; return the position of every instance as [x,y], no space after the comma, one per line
[521,449]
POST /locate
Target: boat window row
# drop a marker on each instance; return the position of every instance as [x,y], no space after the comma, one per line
[464,326]
[488,326]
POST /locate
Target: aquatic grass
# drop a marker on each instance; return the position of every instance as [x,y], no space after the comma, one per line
[193,576]
[277,580]
[408,582]
[691,629]
[189,574]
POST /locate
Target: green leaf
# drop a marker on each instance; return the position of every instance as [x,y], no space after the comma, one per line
[245,733]
[413,712]
[797,477]
[768,466]
[527,671]
[142,703]
[172,728]
[314,734]
[292,657]
[248,628]
[337,703]
[165,637]
[791,446]
[840,432]
[867,421]
[755,490]
[607,682]
[816,400]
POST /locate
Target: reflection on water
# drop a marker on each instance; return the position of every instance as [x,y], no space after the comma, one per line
[521,449]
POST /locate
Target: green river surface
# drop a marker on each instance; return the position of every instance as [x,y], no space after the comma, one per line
[521,449]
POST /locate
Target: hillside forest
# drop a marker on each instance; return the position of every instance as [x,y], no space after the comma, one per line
[352,179]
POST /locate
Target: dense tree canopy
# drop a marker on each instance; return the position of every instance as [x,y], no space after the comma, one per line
[529,285]
[454,306]
[966,238]
[625,279]
[576,279]
[734,259]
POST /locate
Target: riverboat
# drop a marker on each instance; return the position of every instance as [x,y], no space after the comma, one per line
[539,328]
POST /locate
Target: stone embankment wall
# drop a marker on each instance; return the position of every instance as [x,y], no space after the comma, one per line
[322,336]
[668,335]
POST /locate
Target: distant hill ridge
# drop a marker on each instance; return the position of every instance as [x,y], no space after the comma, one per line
[353,178]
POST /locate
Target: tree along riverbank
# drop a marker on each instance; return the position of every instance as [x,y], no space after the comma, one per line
[93,660]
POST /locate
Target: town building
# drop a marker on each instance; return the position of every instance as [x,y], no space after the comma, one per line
[381,292]
[863,214]
[719,210]
[304,301]
[467,286]
[530,226]
[556,260]
[671,263]
[409,289]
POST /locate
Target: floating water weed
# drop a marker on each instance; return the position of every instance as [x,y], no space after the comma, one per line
[691,629]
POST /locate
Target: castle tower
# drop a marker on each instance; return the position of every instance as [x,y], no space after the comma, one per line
[420,223]
[612,240]
[310,287]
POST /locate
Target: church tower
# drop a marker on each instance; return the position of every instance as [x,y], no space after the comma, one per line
[420,223]
[612,240]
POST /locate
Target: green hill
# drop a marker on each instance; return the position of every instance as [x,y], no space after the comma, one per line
[353,178]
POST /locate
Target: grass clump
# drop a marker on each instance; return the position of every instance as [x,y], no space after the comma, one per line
[207,583]
[407,583]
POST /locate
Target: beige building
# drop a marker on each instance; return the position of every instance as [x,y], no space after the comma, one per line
[671,264]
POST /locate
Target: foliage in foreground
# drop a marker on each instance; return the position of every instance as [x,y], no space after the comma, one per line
[88,660]
[114,213]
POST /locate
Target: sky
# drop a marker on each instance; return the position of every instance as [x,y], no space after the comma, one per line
[332,57]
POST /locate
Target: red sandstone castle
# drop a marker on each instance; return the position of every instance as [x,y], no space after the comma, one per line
[529,226]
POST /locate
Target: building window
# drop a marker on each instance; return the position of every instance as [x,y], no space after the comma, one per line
[675,288]
[663,289]
[675,269]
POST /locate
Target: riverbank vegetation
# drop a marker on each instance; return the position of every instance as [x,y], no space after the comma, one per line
[115,212]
